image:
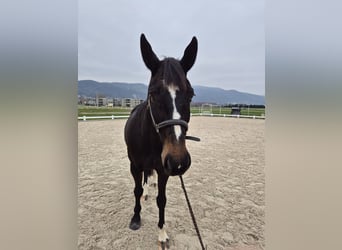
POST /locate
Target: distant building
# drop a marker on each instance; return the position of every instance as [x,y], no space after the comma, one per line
[136,102]
[117,102]
[82,100]
[130,103]
[101,101]
[125,102]
[110,102]
[90,101]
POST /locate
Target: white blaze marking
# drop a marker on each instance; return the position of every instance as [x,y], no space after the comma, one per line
[175,114]
[163,235]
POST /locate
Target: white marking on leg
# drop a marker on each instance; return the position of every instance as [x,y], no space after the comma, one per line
[163,235]
[175,115]
[153,178]
[145,193]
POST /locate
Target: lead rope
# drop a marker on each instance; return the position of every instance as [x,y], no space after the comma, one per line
[192,214]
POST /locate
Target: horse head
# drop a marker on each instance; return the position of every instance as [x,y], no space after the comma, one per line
[169,97]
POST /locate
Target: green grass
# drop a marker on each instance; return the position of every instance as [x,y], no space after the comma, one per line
[107,111]
[102,111]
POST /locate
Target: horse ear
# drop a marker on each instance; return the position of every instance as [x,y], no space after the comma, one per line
[150,59]
[189,56]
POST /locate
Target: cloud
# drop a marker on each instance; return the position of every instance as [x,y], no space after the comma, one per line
[230,35]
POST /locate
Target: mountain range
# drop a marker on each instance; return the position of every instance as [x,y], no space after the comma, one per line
[203,94]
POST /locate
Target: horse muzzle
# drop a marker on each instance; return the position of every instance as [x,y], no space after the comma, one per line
[174,166]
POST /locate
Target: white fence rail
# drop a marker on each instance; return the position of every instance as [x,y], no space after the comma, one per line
[113,117]
[234,116]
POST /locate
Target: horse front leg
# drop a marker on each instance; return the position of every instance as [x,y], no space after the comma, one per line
[161,202]
[138,191]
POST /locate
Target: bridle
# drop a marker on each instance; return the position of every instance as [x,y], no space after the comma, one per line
[168,123]
[165,123]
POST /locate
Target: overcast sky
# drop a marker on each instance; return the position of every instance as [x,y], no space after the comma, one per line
[230,33]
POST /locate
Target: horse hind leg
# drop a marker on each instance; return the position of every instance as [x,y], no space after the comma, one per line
[150,179]
[163,238]
[138,191]
[153,179]
[145,186]
[144,197]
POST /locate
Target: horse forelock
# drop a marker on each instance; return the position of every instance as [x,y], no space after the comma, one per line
[169,73]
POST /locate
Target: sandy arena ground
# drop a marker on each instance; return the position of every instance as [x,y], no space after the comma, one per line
[225,184]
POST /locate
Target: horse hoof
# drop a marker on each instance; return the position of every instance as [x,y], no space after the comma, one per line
[134,225]
[164,245]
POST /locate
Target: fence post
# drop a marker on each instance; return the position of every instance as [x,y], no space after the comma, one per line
[84,118]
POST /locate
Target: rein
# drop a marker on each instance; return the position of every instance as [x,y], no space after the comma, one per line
[192,214]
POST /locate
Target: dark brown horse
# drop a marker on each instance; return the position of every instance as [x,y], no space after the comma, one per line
[155,132]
